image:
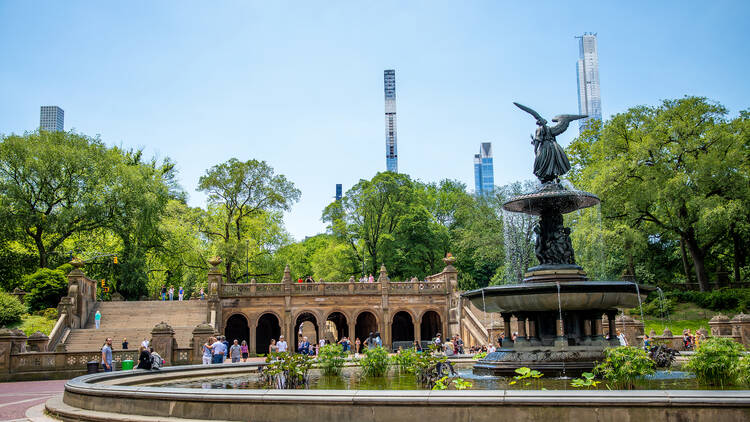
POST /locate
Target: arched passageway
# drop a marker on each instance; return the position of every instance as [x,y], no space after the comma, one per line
[430,326]
[306,325]
[402,330]
[337,326]
[366,324]
[268,328]
[237,329]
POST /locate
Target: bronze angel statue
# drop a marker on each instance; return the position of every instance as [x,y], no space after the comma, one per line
[550,162]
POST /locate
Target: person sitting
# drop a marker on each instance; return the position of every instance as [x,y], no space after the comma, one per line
[156,360]
[304,346]
[687,340]
[144,359]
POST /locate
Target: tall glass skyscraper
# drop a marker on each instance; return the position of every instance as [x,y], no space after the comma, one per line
[589,97]
[52,119]
[391,149]
[484,172]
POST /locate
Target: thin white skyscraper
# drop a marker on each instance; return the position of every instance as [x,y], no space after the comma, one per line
[391,149]
[589,96]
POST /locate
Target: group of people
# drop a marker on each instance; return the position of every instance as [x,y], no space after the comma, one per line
[147,359]
[218,350]
[170,292]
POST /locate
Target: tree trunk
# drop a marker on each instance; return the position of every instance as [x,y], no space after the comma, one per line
[228,267]
[41,249]
[685,265]
[698,256]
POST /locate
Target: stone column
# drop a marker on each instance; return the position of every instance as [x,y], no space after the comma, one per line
[385,329]
[586,330]
[215,281]
[163,342]
[596,329]
[507,342]
[37,342]
[521,340]
[533,333]
[201,334]
[351,325]
[560,339]
[720,326]
[613,341]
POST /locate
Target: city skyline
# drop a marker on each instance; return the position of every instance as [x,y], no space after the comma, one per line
[587,69]
[391,147]
[484,170]
[51,119]
[299,86]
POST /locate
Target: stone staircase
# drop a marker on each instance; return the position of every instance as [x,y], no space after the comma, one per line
[135,320]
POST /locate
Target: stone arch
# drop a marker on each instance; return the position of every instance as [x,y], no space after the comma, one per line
[402,329]
[366,321]
[267,327]
[431,323]
[300,320]
[339,321]
[237,328]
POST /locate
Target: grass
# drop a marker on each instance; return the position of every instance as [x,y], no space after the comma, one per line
[32,323]
[685,315]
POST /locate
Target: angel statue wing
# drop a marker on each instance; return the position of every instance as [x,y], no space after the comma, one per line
[563,120]
[536,115]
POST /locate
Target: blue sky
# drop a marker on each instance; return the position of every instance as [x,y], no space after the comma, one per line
[300,84]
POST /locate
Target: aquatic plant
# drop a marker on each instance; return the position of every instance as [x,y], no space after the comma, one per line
[375,362]
[331,358]
[623,365]
[527,375]
[406,360]
[716,361]
[445,382]
[587,381]
[286,370]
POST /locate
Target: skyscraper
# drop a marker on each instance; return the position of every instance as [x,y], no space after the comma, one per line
[391,149]
[339,193]
[52,119]
[589,96]
[484,172]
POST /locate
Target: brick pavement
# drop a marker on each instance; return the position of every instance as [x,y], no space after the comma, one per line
[17,397]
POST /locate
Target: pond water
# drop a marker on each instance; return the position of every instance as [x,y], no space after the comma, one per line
[351,379]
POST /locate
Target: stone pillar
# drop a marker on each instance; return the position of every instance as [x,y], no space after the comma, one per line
[385,329]
[613,341]
[631,328]
[351,325]
[741,328]
[507,342]
[597,336]
[201,334]
[533,333]
[163,342]
[720,326]
[521,340]
[37,342]
[586,330]
[214,316]
[560,339]
[10,343]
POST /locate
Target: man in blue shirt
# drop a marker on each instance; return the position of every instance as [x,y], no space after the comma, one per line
[107,355]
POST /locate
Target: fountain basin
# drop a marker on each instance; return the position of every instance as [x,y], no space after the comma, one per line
[551,197]
[574,296]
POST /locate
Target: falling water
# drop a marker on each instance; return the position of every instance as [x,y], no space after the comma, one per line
[640,305]
[663,311]
[484,310]
[559,309]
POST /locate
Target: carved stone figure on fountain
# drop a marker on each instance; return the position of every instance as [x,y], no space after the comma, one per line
[553,245]
[550,162]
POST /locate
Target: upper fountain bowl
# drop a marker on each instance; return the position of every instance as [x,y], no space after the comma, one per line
[551,197]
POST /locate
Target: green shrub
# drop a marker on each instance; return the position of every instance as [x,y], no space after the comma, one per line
[375,362]
[286,370]
[737,300]
[742,371]
[331,358]
[44,288]
[656,307]
[406,360]
[30,324]
[480,355]
[716,361]
[11,309]
[623,365]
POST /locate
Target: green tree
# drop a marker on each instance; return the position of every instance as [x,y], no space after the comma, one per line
[44,288]
[677,170]
[244,194]
[52,186]
[11,309]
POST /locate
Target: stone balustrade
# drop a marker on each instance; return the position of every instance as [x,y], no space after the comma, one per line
[334,289]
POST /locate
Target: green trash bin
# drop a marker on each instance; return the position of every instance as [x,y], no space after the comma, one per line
[127,364]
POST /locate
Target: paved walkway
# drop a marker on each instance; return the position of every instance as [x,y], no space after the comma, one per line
[17,397]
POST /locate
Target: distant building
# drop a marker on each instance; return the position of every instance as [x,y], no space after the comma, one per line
[391,149]
[589,96]
[52,119]
[484,172]
[338,192]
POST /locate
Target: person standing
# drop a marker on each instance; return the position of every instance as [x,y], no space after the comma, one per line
[417,346]
[163,293]
[622,339]
[218,351]
[235,352]
[207,351]
[203,295]
[460,344]
[357,345]
[370,279]
[107,355]
[144,343]
[245,351]
[125,343]
[226,347]
[98,319]
[171,293]
[281,345]
[273,347]
[180,294]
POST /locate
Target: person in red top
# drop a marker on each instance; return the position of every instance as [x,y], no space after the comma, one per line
[299,280]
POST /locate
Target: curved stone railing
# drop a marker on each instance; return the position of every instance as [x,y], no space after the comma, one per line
[112,396]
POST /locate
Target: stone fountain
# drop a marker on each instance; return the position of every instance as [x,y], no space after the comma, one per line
[558,310]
